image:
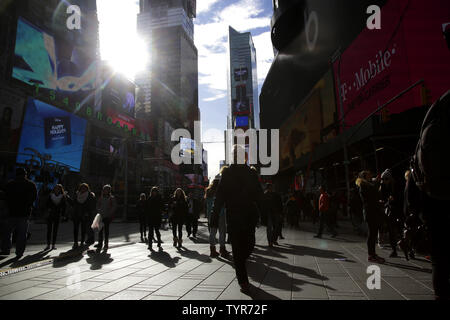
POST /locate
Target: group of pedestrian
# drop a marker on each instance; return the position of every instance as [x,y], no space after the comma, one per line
[19,197]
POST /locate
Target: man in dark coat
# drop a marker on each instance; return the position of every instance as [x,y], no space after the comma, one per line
[21,193]
[274,219]
[240,192]
[155,207]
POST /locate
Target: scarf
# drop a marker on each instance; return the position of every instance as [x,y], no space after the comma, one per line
[56,199]
[82,197]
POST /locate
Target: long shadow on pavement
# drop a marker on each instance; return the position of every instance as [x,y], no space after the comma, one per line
[280,280]
[406,267]
[67,257]
[310,251]
[164,258]
[194,255]
[16,263]
[97,260]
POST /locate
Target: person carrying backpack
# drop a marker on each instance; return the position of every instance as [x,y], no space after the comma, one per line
[431,175]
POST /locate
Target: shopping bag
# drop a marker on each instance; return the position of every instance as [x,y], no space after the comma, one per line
[97,224]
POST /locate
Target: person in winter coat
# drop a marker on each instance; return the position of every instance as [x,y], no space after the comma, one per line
[240,192]
[155,207]
[392,217]
[141,207]
[275,208]
[210,196]
[372,211]
[179,216]
[20,195]
[324,214]
[106,207]
[83,215]
[56,207]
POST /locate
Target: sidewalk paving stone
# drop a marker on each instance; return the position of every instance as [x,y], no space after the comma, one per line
[299,268]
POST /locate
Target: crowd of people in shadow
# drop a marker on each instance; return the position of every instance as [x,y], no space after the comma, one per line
[235,205]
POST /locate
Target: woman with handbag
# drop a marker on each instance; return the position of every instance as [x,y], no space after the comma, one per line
[84,208]
[106,207]
[179,217]
[56,207]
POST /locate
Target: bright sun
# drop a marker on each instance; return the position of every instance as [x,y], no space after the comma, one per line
[129,58]
[120,44]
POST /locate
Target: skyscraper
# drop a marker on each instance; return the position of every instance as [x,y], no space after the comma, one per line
[170,84]
[243,82]
[168,93]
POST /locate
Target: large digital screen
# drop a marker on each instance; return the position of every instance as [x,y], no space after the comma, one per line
[57,69]
[51,137]
[241,122]
[119,94]
[187,146]
[241,106]
[300,133]
[241,74]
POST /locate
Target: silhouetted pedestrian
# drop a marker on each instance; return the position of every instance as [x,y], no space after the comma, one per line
[155,207]
[56,207]
[21,193]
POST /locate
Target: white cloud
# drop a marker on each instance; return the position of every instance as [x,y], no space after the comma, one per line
[216,97]
[264,54]
[205,5]
[212,40]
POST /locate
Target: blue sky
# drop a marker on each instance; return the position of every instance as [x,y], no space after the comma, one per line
[118,26]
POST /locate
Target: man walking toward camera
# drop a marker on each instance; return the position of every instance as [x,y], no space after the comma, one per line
[240,192]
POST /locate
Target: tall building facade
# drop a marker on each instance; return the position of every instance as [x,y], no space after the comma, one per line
[168,88]
[242,82]
[170,84]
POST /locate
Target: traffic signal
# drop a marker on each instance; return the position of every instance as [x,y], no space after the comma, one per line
[425,95]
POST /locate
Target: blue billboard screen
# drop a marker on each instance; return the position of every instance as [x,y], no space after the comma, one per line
[241,122]
[52,135]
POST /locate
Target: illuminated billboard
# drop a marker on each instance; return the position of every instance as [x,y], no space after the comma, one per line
[301,132]
[51,137]
[118,93]
[57,70]
[380,64]
[241,74]
[242,122]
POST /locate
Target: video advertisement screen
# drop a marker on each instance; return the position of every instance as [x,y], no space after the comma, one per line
[119,94]
[55,70]
[241,74]
[51,135]
[241,122]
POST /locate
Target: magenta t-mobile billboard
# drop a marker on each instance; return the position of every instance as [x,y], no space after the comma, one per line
[380,64]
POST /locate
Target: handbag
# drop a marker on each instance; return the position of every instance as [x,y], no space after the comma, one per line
[97,224]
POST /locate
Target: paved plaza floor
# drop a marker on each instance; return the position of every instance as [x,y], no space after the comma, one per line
[300,268]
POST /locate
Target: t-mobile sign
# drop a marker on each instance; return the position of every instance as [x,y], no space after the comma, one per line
[380,64]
